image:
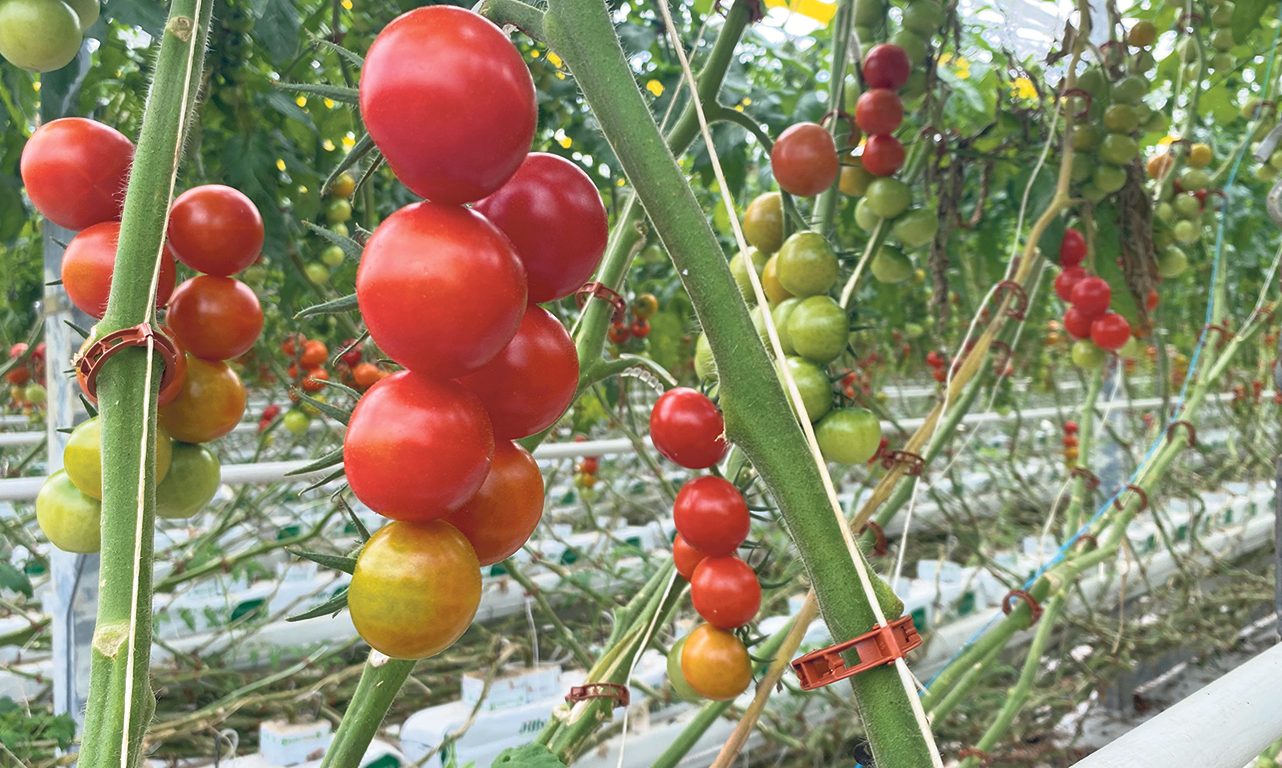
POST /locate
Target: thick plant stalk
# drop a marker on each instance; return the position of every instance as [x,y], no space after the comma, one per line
[121,702]
[758,417]
[362,719]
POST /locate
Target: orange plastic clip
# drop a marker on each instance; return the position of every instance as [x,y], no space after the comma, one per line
[878,647]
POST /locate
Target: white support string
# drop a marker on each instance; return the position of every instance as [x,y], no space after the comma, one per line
[856,556]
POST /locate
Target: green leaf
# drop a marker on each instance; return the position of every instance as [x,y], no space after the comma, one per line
[344,563]
[278,28]
[1246,17]
[331,459]
[340,93]
[333,307]
[14,580]
[351,248]
[333,411]
[528,756]
[328,608]
[351,56]
[359,150]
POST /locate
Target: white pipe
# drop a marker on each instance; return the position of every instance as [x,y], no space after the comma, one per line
[1224,725]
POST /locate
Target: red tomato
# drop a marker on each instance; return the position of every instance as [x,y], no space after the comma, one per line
[711,515]
[448,101]
[685,557]
[215,318]
[292,343]
[640,328]
[886,66]
[934,359]
[366,374]
[1150,301]
[1110,331]
[1092,295]
[1072,248]
[879,111]
[725,592]
[499,519]
[1077,323]
[552,213]
[75,171]
[1070,427]
[314,380]
[441,288]
[804,159]
[216,230]
[532,381]
[619,333]
[1066,279]
[436,427]
[209,405]
[687,428]
[353,354]
[314,353]
[883,155]
[89,261]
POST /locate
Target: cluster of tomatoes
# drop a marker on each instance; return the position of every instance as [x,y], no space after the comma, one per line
[44,35]
[75,171]
[1089,320]
[24,376]
[451,293]
[1070,442]
[337,213]
[938,365]
[712,521]
[641,309]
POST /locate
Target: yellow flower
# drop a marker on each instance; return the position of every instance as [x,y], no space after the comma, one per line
[36,86]
[565,141]
[747,102]
[349,141]
[329,103]
[280,165]
[1023,88]
[535,54]
[655,87]
[347,5]
[327,145]
[1167,140]
[301,101]
[556,60]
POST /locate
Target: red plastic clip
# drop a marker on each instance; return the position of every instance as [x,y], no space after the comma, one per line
[1182,423]
[915,463]
[1091,478]
[605,293]
[842,115]
[1191,18]
[619,693]
[880,544]
[1000,363]
[1222,330]
[1089,537]
[89,363]
[978,754]
[1138,491]
[1082,93]
[1034,608]
[1021,298]
[877,647]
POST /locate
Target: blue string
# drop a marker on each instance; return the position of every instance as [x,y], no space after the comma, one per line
[1063,550]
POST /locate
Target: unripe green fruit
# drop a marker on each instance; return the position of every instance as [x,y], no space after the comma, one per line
[1109,178]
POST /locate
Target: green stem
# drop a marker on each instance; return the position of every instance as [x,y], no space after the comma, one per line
[121,702]
[758,416]
[374,695]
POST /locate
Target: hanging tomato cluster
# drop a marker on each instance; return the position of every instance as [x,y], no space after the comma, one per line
[24,377]
[1070,442]
[1088,319]
[450,293]
[712,520]
[75,171]
[641,309]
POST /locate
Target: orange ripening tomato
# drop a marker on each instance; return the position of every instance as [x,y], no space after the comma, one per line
[209,405]
[499,519]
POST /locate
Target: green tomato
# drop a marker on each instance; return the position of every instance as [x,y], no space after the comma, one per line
[890,265]
[807,266]
[1222,40]
[193,479]
[1092,192]
[1158,122]
[1084,137]
[317,274]
[1118,149]
[296,422]
[1186,232]
[914,330]
[1162,238]
[1188,50]
[849,435]
[1129,90]
[924,17]
[676,678]
[780,315]
[1222,16]
[813,384]
[1109,178]
[1187,205]
[1121,118]
[87,12]
[916,228]
[35,394]
[340,229]
[82,458]
[333,256]
[39,35]
[1172,262]
[1092,81]
[1087,356]
[1195,179]
[338,212]
[864,217]
[819,329]
[1165,213]
[888,197]
[1083,167]
[70,520]
[1143,61]
[738,268]
[1266,173]
[915,87]
[705,367]
[913,45]
[1275,159]
[870,13]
